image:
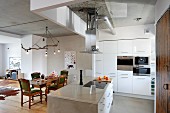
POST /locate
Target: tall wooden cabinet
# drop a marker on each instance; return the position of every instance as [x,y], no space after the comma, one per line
[163,64]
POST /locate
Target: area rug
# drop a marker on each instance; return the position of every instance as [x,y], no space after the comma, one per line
[6,82]
[8,91]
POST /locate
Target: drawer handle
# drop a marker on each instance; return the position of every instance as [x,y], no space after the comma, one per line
[98,60]
[112,76]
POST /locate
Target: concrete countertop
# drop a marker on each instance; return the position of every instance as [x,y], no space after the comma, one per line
[76,92]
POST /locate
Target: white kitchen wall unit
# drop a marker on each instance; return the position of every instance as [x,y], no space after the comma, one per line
[100,46]
[125,81]
[142,47]
[110,68]
[110,47]
[110,63]
[99,65]
[125,48]
[141,85]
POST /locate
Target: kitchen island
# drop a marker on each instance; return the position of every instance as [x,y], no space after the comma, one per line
[75,98]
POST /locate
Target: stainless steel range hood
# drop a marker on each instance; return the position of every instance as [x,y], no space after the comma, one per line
[90,42]
[91,32]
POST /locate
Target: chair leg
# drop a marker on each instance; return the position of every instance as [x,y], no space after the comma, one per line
[21,100]
[29,102]
[41,97]
[32,98]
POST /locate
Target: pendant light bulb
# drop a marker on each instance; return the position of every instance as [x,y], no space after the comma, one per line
[58,50]
[54,52]
[46,53]
[27,52]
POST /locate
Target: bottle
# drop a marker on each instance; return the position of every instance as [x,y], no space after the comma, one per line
[81,77]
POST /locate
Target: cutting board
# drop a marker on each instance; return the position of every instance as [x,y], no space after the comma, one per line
[103,80]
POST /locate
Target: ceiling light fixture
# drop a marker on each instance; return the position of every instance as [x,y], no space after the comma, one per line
[55,43]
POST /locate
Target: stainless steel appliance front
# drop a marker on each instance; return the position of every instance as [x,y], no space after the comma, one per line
[125,63]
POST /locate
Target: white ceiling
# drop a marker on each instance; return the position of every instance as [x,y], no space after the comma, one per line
[13,13]
[121,12]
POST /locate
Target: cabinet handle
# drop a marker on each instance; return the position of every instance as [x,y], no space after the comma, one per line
[112,76]
[124,74]
[140,78]
[98,60]
[124,52]
[140,51]
[111,73]
[124,77]
[165,86]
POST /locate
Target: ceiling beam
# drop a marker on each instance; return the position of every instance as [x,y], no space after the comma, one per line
[42,5]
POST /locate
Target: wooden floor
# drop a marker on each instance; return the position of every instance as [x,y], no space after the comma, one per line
[12,104]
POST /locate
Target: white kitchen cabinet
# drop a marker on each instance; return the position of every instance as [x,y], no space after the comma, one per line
[109,63]
[99,65]
[110,68]
[100,46]
[114,78]
[141,85]
[105,102]
[141,47]
[110,47]
[125,80]
[125,47]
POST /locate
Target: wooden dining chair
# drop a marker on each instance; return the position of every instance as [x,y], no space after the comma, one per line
[27,91]
[65,73]
[61,81]
[35,75]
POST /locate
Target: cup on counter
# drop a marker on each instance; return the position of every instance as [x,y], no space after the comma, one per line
[92,89]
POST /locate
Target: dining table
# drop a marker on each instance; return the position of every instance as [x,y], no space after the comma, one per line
[42,83]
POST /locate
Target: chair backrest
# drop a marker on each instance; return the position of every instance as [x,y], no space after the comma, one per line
[62,79]
[25,85]
[64,72]
[35,75]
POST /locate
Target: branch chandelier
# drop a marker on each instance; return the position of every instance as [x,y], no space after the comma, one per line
[48,35]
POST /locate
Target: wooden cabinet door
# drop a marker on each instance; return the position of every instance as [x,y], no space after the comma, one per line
[163,64]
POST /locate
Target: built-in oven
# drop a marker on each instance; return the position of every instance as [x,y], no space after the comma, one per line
[141,71]
[141,60]
[125,63]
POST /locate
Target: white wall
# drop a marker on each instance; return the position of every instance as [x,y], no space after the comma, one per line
[39,61]
[160,8]
[1,60]
[69,43]
[129,32]
[26,59]
[10,50]
[35,61]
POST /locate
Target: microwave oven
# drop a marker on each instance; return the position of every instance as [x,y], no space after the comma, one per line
[141,60]
[141,71]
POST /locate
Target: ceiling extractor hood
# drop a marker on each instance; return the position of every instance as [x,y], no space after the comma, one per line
[92,30]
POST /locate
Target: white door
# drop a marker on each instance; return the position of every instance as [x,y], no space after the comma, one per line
[110,47]
[141,85]
[125,47]
[142,47]
[125,81]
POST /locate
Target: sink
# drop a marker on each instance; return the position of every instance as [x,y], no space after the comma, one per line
[100,85]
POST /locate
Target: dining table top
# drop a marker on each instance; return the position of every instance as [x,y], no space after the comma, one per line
[43,81]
